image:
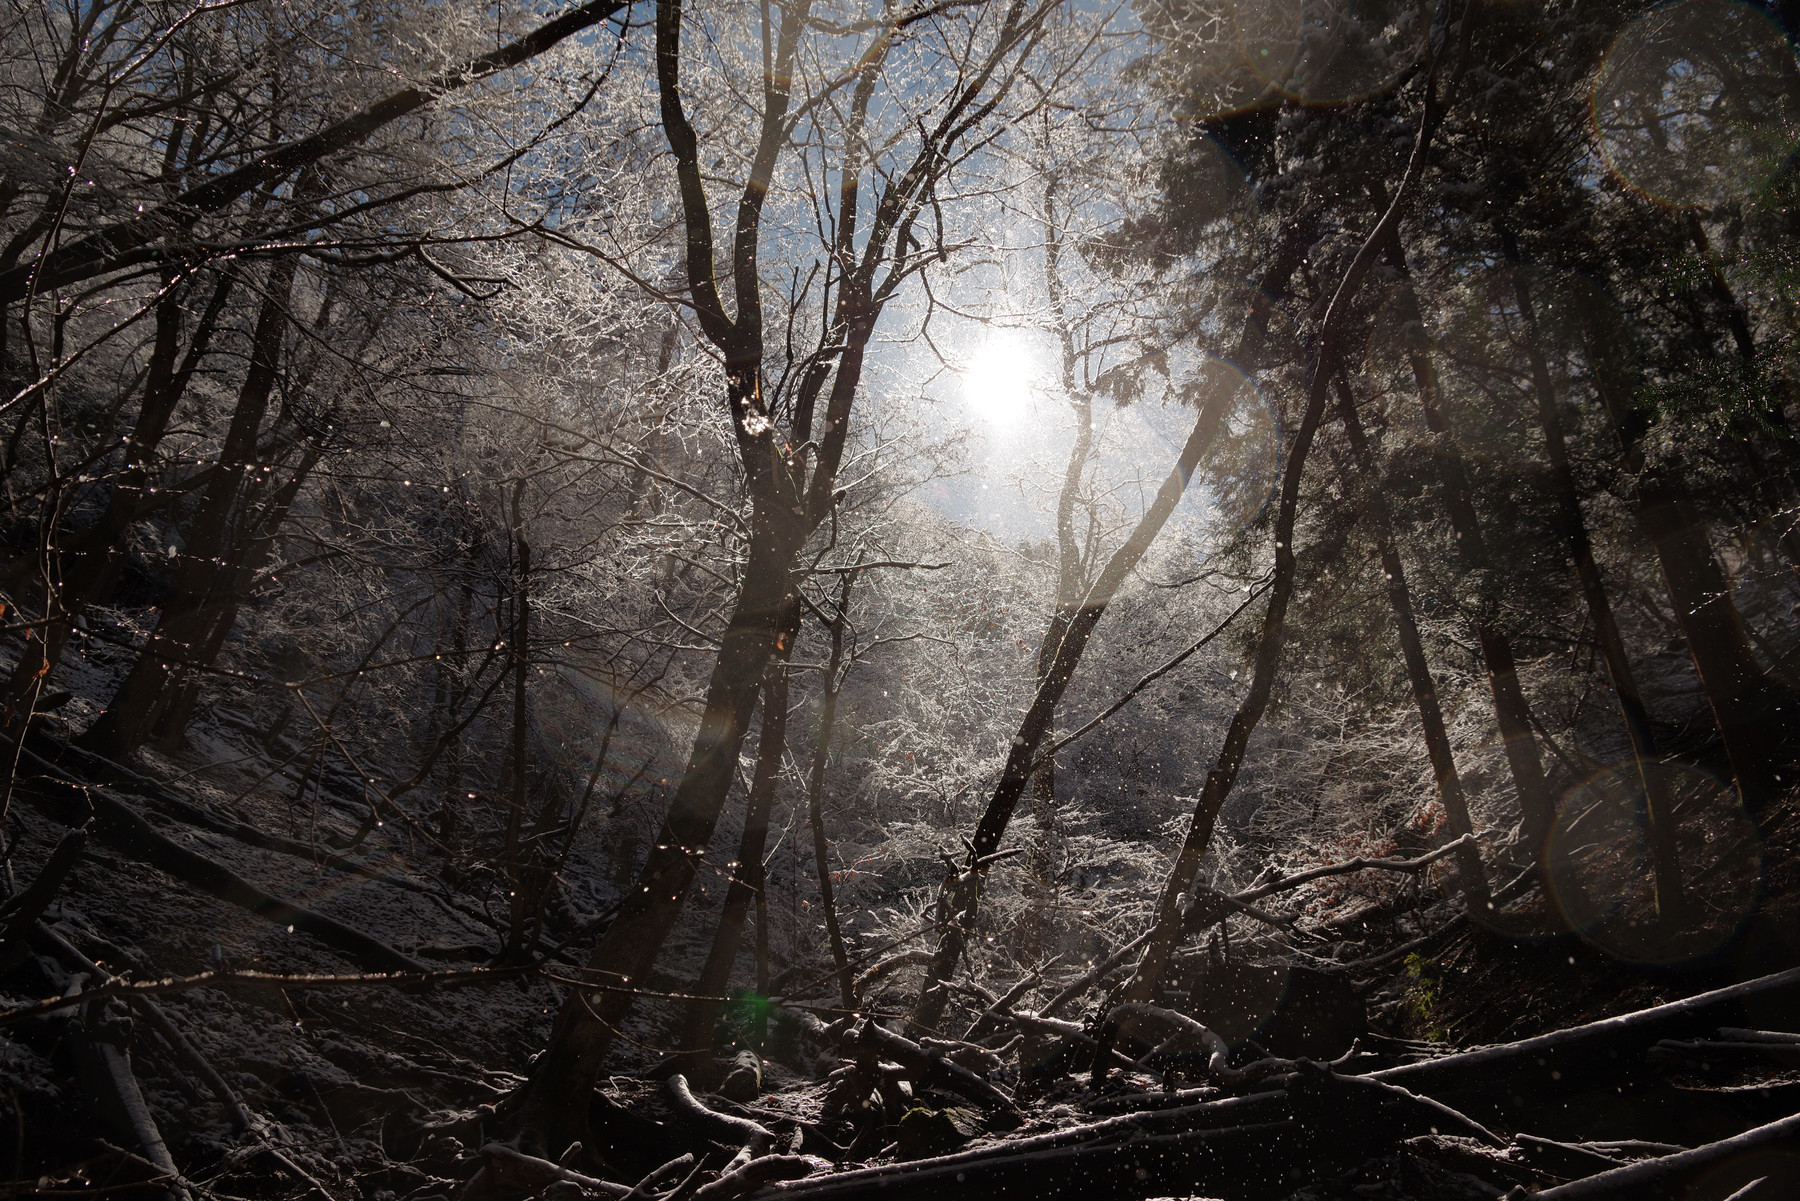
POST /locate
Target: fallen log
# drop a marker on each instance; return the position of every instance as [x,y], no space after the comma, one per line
[1571,1060]
[122,828]
[23,909]
[927,1068]
[242,1119]
[753,1175]
[118,987]
[1669,1176]
[1739,1034]
[1259,1146]
[512,1170]
[1268,1143]
[66,953]
[1429,1104]
[882,969]
[1709,1051]
[1348,866]
[1567,1160]
[97,1043]
[868,1038]
[1566,1061]
[1218,1054]
[985,1021]
[752,1139]
[1100,970]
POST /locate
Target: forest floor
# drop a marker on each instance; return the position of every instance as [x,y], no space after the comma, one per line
[1487,1063]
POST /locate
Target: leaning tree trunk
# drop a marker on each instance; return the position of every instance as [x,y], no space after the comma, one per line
[747,878]
[1171,913]
[962,897]
[555,1100]
[1511,710]
[1754,715]
[1766,415]
[1040,854]
[1659,806]
[872,253]
[1470,873]
[126,721]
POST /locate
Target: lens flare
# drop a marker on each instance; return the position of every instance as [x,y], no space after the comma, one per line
[1000,378]
[1602,868]
[1698,103]
[1233,57]
[1331,51]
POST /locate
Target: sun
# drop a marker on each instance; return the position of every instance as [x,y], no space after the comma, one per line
[998,381]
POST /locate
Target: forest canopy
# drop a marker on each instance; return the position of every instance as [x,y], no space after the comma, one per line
[687,599]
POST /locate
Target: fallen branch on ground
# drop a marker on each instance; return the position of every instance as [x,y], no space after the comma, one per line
[242,1120]
[24,908]
[887,967]
[511,1169]
[123,829]
[1559,1061]
[98,1046]
[1358,864]
[753,1175]
[119,987]
[1092,976]
[926,1067]
[752,1139]
[647,1186]
[1669,1175]
[996,1008]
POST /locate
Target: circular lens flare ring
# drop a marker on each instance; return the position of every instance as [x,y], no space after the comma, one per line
[1698,103]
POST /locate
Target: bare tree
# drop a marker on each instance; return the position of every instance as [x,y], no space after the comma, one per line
[893,142]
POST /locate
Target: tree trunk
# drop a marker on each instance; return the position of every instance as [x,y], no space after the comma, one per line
[963,890]
[1470,873]
[218,615]
[127,720]
[1659,806]
[556,1097]
[1754,715]
[868,263]
[1511,711]
[747,878]
[74,577]
[815,793]
[515,856]
[1171,915]
[1040,852]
